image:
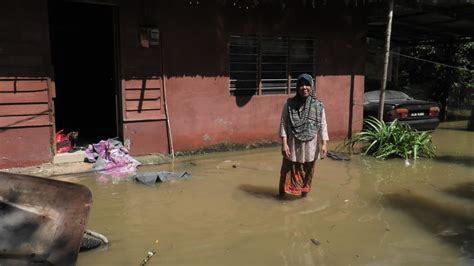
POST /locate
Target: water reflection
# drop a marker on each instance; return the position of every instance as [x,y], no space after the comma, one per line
[463,160]
[260,191]
[362,212]
[463,190]
[450,222]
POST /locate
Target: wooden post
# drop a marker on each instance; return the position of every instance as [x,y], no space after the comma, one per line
[386,58]
[165,99]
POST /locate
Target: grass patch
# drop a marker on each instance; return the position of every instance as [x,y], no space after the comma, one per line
[392,140]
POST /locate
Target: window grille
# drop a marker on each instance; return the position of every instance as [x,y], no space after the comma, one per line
[268,65]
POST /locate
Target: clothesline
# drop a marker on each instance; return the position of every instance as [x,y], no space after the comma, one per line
[433,62]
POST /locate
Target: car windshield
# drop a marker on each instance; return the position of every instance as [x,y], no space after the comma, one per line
[373,96]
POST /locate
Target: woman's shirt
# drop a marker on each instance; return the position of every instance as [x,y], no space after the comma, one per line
[302,151]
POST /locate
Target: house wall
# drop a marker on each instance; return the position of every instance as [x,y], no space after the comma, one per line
[195,59]
[25,109]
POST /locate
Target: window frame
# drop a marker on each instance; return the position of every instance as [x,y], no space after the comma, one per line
[258,88]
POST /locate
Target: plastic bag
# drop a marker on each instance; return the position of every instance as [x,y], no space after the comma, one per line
[63,143]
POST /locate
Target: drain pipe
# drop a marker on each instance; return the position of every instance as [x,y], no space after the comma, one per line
[386,59]
[165,102]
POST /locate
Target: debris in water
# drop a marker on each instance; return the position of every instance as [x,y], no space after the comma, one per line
[148,256]
[338,156]
[315,241]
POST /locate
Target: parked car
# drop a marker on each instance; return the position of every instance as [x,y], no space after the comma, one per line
[419,114]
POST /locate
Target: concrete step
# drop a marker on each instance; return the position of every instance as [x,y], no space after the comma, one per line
[73,157]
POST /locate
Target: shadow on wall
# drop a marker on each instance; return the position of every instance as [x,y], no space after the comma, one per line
[24,101]
[208,52]
[21,121]
[194,42]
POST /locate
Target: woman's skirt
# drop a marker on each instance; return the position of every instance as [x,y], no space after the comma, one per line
[295,178]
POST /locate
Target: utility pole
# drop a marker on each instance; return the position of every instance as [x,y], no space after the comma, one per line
[386,59]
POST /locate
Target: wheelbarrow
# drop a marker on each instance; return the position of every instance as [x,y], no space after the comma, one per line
[42,221]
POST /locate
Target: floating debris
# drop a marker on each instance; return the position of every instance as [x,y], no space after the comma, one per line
[315,241]
[148,256]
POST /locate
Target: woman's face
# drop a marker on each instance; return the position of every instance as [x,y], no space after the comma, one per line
[304,89]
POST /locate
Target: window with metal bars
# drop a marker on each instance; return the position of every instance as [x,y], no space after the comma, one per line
[268,65]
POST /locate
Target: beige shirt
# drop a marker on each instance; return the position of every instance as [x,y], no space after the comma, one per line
[302,151]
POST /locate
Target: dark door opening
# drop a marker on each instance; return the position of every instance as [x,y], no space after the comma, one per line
[83,55]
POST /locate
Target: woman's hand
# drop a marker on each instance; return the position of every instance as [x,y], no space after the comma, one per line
[285,150]
[324,150]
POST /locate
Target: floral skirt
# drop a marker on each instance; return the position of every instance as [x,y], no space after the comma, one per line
[295,177]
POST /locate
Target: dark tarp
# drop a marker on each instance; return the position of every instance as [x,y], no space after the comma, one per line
[151,178]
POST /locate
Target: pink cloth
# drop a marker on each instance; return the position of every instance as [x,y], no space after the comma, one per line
[111,157]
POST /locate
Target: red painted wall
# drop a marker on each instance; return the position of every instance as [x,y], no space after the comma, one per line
[202,112]
[144,129]
[146,137]
[24,146]
[25,130]
[193,59]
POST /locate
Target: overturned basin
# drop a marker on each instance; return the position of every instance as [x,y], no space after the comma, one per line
[42,221]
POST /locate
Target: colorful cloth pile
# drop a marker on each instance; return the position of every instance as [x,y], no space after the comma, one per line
[111,157]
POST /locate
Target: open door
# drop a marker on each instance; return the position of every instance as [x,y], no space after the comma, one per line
[85,56]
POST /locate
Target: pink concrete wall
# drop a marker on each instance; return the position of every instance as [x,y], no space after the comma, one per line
[334,91]
[193,59]
[200,116]
[24,146]
[202,112]
[147,137]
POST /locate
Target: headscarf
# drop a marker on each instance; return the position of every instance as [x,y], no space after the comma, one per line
[305,113]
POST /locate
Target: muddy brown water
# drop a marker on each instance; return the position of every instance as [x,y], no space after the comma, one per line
[360,212]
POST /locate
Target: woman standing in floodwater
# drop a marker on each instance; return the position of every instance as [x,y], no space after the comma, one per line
[304,136]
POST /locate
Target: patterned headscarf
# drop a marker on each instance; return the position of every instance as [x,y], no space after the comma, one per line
[305,113]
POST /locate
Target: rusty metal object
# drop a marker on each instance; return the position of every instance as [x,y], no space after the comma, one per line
[42,221]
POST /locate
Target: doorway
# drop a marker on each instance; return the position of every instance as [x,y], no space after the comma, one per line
[84,57]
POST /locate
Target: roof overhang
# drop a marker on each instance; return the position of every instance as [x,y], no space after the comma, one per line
[424,21]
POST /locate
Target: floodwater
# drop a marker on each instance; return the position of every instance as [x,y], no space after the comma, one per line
[360,212]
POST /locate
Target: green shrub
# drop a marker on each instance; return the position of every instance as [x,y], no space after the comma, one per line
[394,139]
